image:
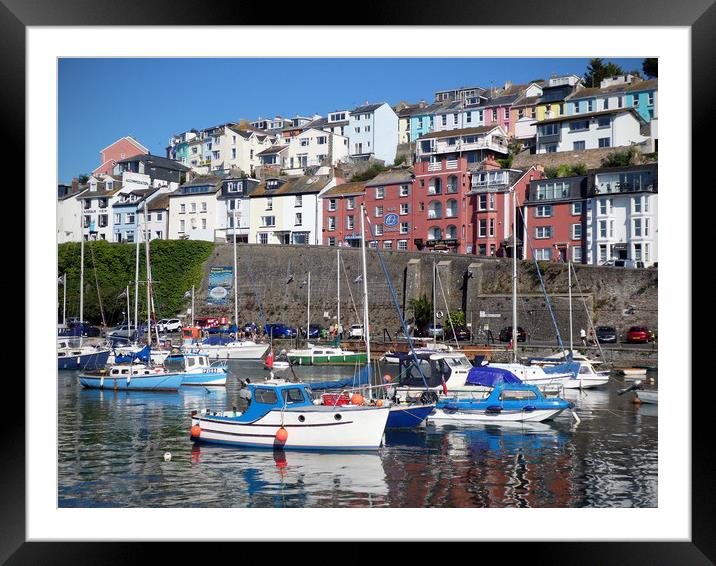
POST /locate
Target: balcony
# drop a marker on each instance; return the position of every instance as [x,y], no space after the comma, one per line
[615,188]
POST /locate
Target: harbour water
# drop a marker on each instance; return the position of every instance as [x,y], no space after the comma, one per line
[111,450]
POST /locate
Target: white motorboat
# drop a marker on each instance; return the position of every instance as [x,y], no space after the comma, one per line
[650,396]
[234,350]
[587,377]
[632,372]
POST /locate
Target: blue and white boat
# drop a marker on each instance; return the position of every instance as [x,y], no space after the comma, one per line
[409,415]
[506,402]
[130,377]
[282,415]
[197,369]
[80,356]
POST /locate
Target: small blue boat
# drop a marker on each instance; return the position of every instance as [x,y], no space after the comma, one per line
[197,369]
[80,357]
[131,377]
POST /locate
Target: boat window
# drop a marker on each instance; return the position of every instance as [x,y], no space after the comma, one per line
[293,395]
[266,396]
[585,369]
[458,362]
[125,372]
[517,395]
[115,371]
[318,352]
[190,362]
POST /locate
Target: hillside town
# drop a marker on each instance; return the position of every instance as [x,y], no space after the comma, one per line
[580,160]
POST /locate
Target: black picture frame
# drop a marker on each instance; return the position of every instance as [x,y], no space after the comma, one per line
[699,15]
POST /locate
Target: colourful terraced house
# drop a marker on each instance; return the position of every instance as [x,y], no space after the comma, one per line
[623,91]
[539,101]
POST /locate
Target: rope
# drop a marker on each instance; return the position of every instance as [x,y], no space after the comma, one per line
[96,280]
[447,310]
[589,318]
[350,292]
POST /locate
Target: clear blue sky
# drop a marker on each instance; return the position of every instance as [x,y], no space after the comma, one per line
[101,100]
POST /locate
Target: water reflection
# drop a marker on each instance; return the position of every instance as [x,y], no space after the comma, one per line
[111,447]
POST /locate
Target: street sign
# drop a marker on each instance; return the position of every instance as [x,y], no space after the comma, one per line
[484,314]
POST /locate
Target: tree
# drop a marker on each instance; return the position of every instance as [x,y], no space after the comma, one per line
[456,318]
[83,178]
[650,66]
[597,71]
[422,311]
[621,158]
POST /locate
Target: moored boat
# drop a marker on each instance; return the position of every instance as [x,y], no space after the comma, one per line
[320,355]
[81,356]
[197,369]
[218,348]
[282,415]
[128,377]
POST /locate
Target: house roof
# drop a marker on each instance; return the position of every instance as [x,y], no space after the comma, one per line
[392,177]
[131,140]
[367,108]
[161,202]
[211,181]
[589,115]
[278,148]
[637,86]
[458,133]
[157,161]
[101,190]
[307,184]
[346,189]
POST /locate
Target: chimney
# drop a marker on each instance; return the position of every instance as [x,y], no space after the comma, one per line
[75,185]
[490,163]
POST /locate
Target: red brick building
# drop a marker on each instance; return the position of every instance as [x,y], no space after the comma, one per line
[389,202]
[491,207]
[441,206]
[341,214]
[123,148]
[556,219]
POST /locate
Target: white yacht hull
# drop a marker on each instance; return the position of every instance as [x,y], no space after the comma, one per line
[650,396]
[441,416]
[234,351]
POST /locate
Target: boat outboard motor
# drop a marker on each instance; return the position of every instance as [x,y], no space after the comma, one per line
[634,387]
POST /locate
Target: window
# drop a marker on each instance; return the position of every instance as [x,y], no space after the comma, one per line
[130,236]
[403,245]
[579,125]
[468,120]
[605,142]
[590,106]
[299,219]
[149,217]
[203,206]
[299,201]
[388,245]
[551,148]
[482,228]
[435,186]
[451,208]
[606,104]
[129,218]
[602,225]
[331,205]
[543,211]
[350,203]
[604,206]
[117,218]
[268,221]
[602,253]
[443,119]
[378,211]
[636,206]
[576,208]
[193,207]
[492,228]
[379,193]
[321,140]
[579,146]
[378,229]
[269,203]
[650,100]
[404,227]
[543,232]
[350,222]
[637,252]
[304,142]
[331,222]
[103,220]
[203,223]
[263,238]
[576,231]
[404,190]
[404,208]
[494,115]
[549,129]
[331,241]
[182,208]
[452,184]
[543,254]
[102,203]
[182,225]
[604,122]
[577,254]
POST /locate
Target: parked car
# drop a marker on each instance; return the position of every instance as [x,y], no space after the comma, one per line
[506,334]
[79,329]
[638,335]
[461,333]
[279,330]
[606,334]
[314,331]
[356,331]
[169,325]
[435,331]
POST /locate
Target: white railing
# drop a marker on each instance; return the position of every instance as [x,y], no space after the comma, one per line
[451,164]
[435,166]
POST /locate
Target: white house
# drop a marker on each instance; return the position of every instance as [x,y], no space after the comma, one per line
[314,148]
[608,128]
[288,210]
[193,210]
[69,215]
[373,132]
[233,202]
[473,143]
[622,215]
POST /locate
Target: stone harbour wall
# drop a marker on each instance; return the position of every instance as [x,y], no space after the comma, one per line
[273,285]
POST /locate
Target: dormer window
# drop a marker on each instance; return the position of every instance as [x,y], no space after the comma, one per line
[272,183]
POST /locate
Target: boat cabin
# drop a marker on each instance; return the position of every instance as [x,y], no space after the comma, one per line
[187,362]
[436,367]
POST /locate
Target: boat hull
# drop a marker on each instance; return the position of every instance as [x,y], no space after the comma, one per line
[210,376]
[408,416]
[478,416]
[309,428]
[158,382]
[341,359]
[233,351]
[90,361]
[586,381]
[647,396]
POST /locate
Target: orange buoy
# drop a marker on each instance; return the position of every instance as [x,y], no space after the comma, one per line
[387,378]
[357,399]
[379,402]
[196,430]
[281,434]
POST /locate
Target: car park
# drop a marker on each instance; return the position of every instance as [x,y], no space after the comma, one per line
[506,334]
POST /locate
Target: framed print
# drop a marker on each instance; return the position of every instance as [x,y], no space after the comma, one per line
[293,183]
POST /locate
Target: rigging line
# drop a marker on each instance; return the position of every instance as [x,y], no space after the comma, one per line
[350,291]
[589,317]
[541,281]
[395,301]
[256,294]
[447,309]
[96,280]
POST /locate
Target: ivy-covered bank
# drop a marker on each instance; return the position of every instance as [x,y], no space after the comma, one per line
[176,266]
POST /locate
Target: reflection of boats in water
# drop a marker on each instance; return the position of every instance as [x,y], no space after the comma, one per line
[204,397]
[338,475]
[508,437]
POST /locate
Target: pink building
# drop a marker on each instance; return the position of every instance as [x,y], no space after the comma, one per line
[390,205]
[123,148]
[341,214]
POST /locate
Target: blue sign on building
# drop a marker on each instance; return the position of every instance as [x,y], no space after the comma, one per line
[390,220]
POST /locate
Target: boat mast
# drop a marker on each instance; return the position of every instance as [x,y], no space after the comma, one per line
[193,316]
[236,294]
[308,311]
[82,277]
[136,290]
[569,285]
[434,311]
[129,315]
[366,322]
[338,284]
[149,291]
[515,332]
[64,300]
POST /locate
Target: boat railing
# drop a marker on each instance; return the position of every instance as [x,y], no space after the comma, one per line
[359,389]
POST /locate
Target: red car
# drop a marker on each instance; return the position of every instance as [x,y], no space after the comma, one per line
[638,335]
